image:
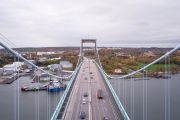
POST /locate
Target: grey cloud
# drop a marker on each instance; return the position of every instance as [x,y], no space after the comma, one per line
[64,23]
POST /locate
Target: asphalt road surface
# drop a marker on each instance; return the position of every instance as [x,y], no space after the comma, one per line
[89,80]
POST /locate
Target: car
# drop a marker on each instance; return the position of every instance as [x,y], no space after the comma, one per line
[106,118]
[100,94]
[84,102]
[85,94]
[82,115]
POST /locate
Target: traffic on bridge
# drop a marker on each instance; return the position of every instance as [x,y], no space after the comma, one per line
[85,102]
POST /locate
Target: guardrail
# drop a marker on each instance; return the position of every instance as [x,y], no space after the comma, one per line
[118,102]
[59,106]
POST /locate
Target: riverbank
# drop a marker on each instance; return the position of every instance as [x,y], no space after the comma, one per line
[8,79]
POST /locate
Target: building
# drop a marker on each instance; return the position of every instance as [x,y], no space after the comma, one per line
[45,53]
[149,54]
[122,55]
[43,59]
[58,58]
[1,71]
[55,67]
[66,64]
[11,68]
[118,71]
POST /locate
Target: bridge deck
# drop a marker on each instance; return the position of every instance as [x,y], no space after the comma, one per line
[89,80]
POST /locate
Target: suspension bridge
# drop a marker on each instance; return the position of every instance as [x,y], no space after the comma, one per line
[80,98]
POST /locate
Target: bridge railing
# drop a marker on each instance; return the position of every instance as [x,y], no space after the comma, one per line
[60,104]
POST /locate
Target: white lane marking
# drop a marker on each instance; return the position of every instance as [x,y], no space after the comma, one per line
[89,90]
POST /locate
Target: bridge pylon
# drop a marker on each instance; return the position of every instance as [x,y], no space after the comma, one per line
[83,41]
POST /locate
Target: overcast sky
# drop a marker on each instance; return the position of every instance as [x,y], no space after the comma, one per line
[40,23]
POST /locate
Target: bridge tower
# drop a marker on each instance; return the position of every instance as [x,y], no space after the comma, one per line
[87,41]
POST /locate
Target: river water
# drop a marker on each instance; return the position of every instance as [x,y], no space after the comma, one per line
[32,105]
[148,99]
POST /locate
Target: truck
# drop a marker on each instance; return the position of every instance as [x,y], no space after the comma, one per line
[100,94]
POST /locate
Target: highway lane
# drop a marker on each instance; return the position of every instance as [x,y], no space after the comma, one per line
[102,107]
[89,80]
[80,87]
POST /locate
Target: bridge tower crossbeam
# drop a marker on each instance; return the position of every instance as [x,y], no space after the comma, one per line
[87,41]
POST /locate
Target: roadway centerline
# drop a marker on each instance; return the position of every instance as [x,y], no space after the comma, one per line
[95,108]
[89,89]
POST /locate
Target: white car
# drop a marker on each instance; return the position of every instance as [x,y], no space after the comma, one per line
[84,102]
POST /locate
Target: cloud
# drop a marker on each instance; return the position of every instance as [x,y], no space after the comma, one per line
[64,23]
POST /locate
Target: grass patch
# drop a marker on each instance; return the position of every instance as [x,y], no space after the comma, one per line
[159,67]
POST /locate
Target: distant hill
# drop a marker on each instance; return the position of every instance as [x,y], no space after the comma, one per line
[133,51]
